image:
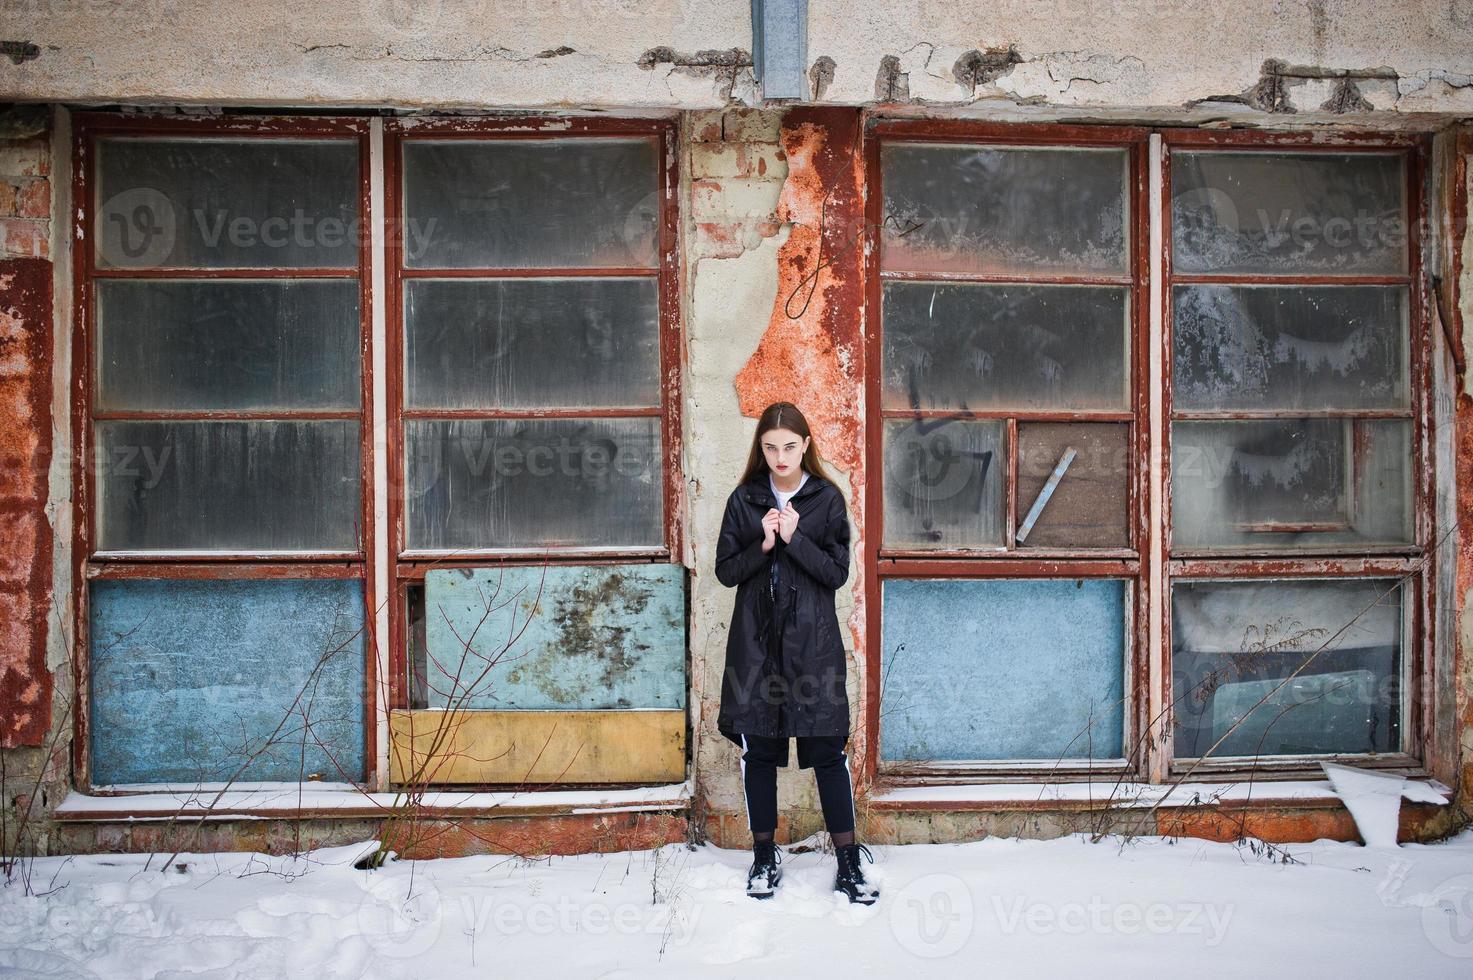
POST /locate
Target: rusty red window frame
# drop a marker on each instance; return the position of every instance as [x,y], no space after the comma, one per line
[1412,563]
[1125,563]
[88,127]
[407,568]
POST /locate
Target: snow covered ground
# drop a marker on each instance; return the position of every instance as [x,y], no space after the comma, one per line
[999,907]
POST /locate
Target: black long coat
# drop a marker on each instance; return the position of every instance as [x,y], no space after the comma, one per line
[784,679]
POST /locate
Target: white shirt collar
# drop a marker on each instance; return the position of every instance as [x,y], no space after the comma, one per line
[773,483]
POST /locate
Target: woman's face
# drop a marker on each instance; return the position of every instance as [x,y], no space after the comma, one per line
[784,450]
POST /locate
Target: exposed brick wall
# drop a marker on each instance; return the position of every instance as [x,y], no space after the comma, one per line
[25,427]
[25,196]
[737,169]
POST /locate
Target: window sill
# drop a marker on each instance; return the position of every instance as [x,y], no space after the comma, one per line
[288,800]
[1106,793]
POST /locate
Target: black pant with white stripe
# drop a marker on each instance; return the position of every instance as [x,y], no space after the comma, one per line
[761,757]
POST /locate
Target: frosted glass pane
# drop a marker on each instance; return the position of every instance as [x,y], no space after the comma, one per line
[534,483]
[526,203]
[1232,643]
[999,209]
[944,483]
[985,347]
[1279,484]
[537,343]
[227,203]
[1324,213]
[228,344]
[1002,670]
[1299,347]
[228,486]
[1089,506]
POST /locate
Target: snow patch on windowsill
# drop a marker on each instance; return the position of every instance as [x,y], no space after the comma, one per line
[268,800]
[1134,794]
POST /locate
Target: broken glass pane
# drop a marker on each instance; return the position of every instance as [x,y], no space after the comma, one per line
[227,203]
[194,344]
[1288,213]
[1234,646]
[1277,484]
[508,203]
[944,483]
[533,483]
[1289,347]
[1005,209]
[991,347]
[1088,506]
[543,343]
[228,486]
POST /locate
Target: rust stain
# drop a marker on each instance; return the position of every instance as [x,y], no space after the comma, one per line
[415,836]
[570,834]
[812,352]
[1463,504]
[1462,449]
[25,532]
[1275,826]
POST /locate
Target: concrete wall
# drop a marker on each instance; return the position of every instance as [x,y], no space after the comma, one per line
[1283,55]
[754,183]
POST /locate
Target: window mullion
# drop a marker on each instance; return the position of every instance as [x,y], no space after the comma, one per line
[1156,747]
[378,509]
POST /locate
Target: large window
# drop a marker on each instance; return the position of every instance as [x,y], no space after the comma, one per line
[541,609]
[1010,291]
[274,459]
[1015,410]
[1297,433]
[220,506]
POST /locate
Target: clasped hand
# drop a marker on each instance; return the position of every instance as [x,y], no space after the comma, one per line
[776,522]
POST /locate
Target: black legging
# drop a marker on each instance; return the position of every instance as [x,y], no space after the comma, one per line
[762,755]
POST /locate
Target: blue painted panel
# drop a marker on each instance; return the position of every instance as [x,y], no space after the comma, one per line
[1002,669]
[190,678]
[561,637]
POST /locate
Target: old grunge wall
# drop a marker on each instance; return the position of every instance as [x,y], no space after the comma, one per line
[770,202]
[25,426]
[1274,55]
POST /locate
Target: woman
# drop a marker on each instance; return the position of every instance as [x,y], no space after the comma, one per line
[785,547]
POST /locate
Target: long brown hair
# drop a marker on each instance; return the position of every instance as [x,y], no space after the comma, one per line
[782,415]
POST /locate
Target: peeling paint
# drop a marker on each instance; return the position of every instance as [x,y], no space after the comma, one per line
[812,351]
[25,530]
[568,637]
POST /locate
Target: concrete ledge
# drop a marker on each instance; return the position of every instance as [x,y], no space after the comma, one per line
[1105,793]
[288,801]
[415,836]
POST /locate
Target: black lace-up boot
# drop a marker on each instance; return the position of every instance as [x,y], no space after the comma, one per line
[765,873]
[850,879]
